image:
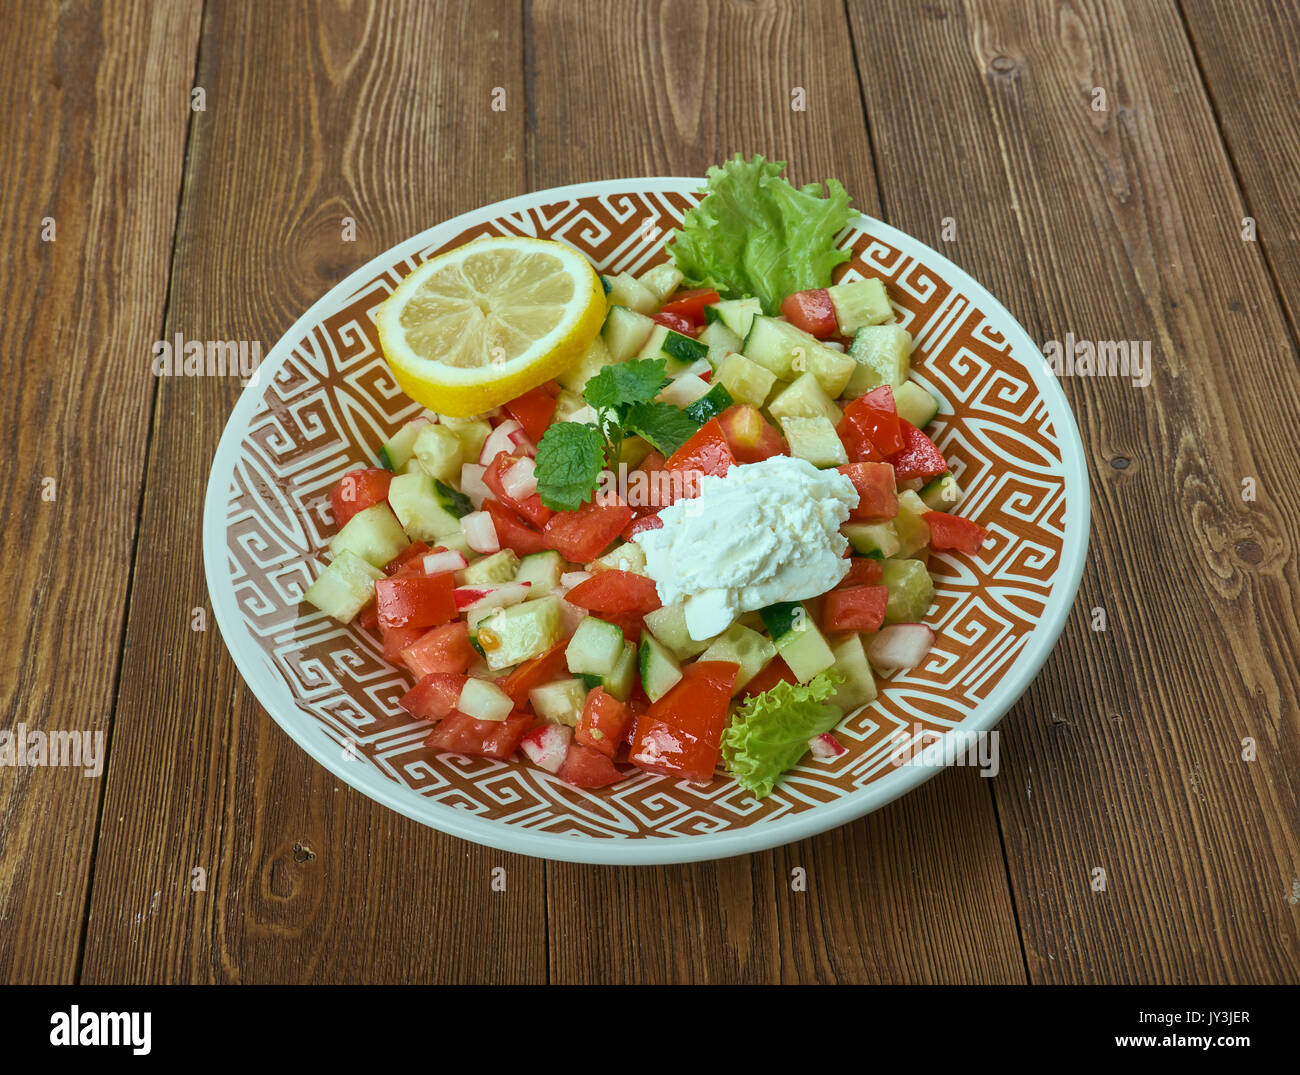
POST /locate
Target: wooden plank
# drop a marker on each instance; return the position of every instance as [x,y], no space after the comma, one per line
[1246,54]
[668,106]
[313,114]
[94,152]
[1126,755]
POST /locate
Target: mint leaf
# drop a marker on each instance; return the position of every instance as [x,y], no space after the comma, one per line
[626,383]
[570,458]
[663,425]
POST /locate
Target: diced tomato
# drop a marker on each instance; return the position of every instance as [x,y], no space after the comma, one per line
[690,304]
[358,490]
[368,617]
[637,706]
[855,608]
[647,486]
[615,591]
[585,767]
[877,496]
[681,734]
[645,522]
[630,623]
[416,600]
[774,672]
[812,311]
[876,416]
[533,410]
[919,457]
[434,697]
[531,507]
[750,438]
[580,536]
[459,734]
[533,673]
[863,571]
[444,649]
[397,639]
[707,452]
[857,445]
[674,322]
[954,532]
[512,532]
[413,556]
[603,721]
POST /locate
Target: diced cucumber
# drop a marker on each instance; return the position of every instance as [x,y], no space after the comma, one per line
[373,534]
[913,531]
[482,699]
[859,686]
[815,440]
[942,493]
[746,380]
[711,404]
[345,587]
[632,451]
[456,542]
[542,570]
[737,314]
[620,682]
[594,359]
[660,671]
[626,290]
[747,648]
[679,351]
[684,389]
[568,403]
[668,624]
[797,639]
[472,435]
[805,398]
[559,702]
[595,647]
[662,280]
[399,448]
[427,509]
[624,334]
[859,303]
[788,352]
[440,452]
[520,632]
[628,556]
[720,341]
[882,355]
[486,570]
[872,539]
[911,590]
[915,404]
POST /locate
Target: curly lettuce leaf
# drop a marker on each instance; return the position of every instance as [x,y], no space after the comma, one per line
[770,732]
[756,234]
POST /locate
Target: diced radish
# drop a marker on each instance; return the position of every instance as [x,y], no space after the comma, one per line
[472,485]
[698,368]
[483,700]
[570,579]
[826,746]
[547,745]
[480,532]
[444,560]
[507,593]
[499,441]
[900,645]
[583,414]
[834,345]
[571,616]
[520,479]
[519,442]
[685,390]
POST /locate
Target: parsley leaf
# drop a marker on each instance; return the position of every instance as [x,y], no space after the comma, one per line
[666,427]
[570,458]
[626,383]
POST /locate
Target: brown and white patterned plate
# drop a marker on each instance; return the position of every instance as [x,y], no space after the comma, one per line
[324,400]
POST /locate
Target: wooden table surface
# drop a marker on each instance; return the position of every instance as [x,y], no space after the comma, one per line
[184,166]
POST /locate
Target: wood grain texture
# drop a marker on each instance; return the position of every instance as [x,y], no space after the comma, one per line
[92,139]
[683,86]
[1126,753]
[1249,55]
[314,113]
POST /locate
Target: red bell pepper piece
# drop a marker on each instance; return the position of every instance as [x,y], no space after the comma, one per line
[358,490]
[533,673]
[615,591]
[919,457]
[812,311]
[954,532]
[690,304]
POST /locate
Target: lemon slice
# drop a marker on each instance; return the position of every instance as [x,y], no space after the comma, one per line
[478,325]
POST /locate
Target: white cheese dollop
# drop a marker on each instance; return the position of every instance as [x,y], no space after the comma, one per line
[764,532]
